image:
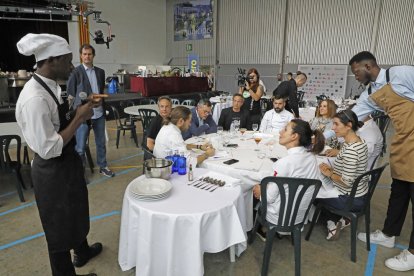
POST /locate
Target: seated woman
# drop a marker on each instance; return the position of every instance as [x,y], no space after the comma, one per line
[323,122]
[349,164]
[169,138]
[300,162]
[252,92]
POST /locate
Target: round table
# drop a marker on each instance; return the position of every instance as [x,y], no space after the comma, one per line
[133,110]
[169,236]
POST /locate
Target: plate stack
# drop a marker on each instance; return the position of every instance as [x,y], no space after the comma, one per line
[150,189]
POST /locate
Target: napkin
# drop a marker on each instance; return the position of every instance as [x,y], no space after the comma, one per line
[230,181]
[253,164]
[220,155]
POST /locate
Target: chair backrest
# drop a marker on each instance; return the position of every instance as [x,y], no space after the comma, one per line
[188,102]
[300,95]
[115,113]
[175,101]
[291,191]
[374,176]
[5,158]
[146,116]
[383,122]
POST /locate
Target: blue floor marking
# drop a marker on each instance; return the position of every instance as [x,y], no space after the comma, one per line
[369,268]
[399,246]
[118,160]
[38,235]
[17,208]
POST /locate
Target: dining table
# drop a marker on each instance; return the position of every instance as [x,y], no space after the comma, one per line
[133,110]
[169,236]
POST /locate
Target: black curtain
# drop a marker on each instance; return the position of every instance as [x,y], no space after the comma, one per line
[11,31]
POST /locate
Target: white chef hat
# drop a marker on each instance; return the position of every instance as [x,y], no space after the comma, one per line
[43,46]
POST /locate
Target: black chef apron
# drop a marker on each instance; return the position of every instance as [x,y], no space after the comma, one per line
[60,191]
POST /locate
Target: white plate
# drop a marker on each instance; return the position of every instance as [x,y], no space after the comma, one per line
[150,186]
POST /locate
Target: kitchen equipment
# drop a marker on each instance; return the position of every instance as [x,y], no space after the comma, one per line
[158,168]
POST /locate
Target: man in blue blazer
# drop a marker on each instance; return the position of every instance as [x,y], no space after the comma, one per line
[201,120]
[90,79]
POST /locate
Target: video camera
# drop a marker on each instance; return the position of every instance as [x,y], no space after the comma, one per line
[242,77]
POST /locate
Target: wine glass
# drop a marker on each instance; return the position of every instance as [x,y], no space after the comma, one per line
[257,139]
[219,130]
[255,127]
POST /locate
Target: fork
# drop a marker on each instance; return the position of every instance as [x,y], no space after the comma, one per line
[220,184]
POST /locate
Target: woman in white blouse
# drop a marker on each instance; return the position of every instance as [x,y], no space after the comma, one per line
[349,164]
[300,162]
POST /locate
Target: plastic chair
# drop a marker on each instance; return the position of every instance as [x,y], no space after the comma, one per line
[146,117]
[175,101]
[383,122]
[292,191]
[349,213]
[188,102]
[122,127]
[7,164]
[148,154]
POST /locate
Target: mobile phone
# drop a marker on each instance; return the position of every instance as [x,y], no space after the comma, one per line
[274,159]
[231,161]
[232,145]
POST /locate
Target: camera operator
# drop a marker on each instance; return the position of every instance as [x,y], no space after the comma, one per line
[252,91]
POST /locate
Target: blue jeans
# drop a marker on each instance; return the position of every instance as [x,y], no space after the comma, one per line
[340,203]
[98,126]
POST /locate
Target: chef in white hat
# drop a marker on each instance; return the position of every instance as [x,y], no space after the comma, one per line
[48,127]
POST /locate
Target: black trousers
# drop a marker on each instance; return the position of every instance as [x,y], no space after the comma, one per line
[401,194]
[61,262]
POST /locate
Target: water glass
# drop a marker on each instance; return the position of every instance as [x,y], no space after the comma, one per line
[219,130]
[255,127]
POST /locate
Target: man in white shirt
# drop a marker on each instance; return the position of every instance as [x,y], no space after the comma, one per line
[276,119]
[373,137]
[170,138]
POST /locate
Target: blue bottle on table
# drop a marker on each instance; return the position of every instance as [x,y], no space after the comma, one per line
[182,164]
[169,156]
[175,161]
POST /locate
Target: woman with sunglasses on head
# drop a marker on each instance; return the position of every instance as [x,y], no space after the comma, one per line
[323,121]
[350,163]
[252,92]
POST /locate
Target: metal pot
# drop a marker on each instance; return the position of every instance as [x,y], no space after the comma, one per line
[158,168]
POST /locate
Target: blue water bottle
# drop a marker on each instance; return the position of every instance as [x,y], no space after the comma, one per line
[182,164]
[175,161]
[169,156]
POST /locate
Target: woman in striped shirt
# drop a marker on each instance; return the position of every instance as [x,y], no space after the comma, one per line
[349,164]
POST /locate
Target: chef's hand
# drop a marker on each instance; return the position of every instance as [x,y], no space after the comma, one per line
[84,112]
[256,191]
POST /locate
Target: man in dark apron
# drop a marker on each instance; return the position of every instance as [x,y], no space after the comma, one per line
[57,172]
[392,91]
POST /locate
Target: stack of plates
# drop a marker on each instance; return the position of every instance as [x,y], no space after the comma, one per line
[150,189]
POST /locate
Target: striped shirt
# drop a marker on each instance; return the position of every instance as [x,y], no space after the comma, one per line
[350,163]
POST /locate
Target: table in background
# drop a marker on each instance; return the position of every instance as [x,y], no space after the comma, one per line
[158,86]
[170,236]
[133,110]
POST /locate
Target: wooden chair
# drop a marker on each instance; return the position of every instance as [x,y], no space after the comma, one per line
[349,211]
[292,191]
[9,164]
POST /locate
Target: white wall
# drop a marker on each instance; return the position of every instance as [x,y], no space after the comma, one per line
[139,27]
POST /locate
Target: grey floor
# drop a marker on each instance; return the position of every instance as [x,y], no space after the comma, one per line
[23,247]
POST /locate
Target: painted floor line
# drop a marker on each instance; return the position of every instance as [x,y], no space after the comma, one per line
[93,183]
[38,235]
[17,208]
[400,246]
[369,268]
[114,161]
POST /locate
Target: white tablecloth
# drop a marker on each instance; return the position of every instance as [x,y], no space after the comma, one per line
[169,236]
[250,169]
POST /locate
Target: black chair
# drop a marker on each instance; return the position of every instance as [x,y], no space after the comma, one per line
[148,154]
[349,212]
[122,127]
[291,198]
[188,102]
[300,95]
[146,117]
[9,164]
[383,122]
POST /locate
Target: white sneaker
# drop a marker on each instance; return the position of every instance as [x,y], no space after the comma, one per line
[402,262]
[378,237]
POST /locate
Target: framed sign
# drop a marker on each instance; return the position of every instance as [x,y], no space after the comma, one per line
[193,20]
[328,80]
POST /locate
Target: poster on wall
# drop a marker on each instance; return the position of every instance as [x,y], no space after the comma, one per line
[193,20]
[328,80]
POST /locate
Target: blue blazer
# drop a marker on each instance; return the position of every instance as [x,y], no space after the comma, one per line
[208,126]
[79,82]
